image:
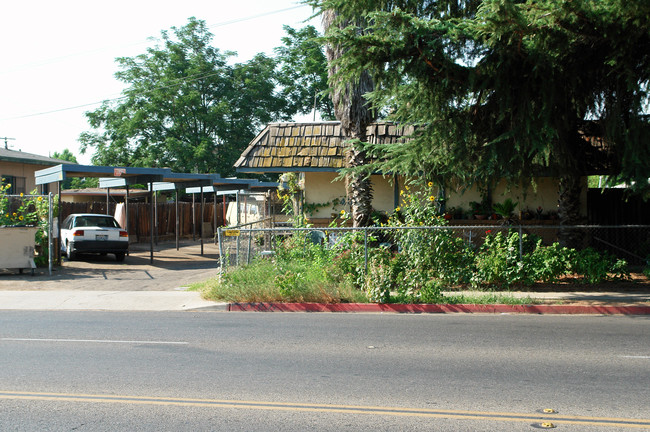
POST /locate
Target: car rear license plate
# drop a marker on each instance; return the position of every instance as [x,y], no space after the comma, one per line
[101,237]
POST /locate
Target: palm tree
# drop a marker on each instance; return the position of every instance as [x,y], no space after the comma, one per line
[355,114]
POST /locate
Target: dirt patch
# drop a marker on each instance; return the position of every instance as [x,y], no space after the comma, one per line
[637,283]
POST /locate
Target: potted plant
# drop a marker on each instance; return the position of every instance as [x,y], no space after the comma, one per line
[480,210]
[450,213]
[506,210]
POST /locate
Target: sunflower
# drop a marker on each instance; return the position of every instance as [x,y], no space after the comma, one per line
[430,184]
[432,198]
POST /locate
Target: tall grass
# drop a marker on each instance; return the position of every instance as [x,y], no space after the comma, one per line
[269,281]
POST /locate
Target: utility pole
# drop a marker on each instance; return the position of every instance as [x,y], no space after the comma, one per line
[6,143]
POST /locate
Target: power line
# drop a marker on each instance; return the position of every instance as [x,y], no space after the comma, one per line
[90,52]
[184,79]
[171,84]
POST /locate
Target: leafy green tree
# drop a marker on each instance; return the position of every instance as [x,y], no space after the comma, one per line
[303,72]
[507,89]
[185,106]
[74,183]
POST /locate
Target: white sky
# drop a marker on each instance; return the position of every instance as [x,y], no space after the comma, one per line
[56,55]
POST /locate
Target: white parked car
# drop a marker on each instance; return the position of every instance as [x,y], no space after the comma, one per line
[93,233]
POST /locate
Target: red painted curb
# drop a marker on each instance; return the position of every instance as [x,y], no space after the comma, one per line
[440,308]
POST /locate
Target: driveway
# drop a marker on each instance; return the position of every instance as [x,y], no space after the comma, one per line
[171,270]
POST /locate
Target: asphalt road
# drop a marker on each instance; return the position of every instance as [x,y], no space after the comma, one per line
[65,371]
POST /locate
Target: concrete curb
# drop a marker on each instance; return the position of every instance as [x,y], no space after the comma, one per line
[442,308]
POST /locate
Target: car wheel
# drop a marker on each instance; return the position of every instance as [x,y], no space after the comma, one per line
[119,256]
[68,251]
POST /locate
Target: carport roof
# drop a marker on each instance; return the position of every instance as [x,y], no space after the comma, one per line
[161,178]
[132,175]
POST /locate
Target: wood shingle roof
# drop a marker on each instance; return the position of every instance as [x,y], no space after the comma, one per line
[319,146]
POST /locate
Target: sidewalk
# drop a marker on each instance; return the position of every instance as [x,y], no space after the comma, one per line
[106,300]
[101,283]
[552,303]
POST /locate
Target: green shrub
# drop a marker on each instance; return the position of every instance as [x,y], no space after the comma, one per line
[548,264]
[595,267]
[497,261]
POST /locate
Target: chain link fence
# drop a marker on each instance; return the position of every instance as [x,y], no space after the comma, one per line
[241,244]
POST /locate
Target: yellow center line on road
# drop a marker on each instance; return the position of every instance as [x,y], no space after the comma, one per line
[346,409]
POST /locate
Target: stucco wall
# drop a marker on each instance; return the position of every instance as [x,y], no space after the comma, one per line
[322,188]
[21,170]
[544,195]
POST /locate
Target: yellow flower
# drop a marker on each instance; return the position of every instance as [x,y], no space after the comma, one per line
[21,194]
[397,209]
[401,192]
[20,217]
[40,198]
[430,184]
[343,212]
[432,198]
[14,214]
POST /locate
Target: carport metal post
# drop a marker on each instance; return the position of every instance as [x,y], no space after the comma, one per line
[50,240]
[215,212]
[108,196]
[201,219]
[193,219]
[178,224]
[58,224]
[155,214]
[126,220]
[151,227]
[238,222]
[223,210]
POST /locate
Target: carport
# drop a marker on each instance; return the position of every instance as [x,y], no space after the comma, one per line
[214,184]
[156,179]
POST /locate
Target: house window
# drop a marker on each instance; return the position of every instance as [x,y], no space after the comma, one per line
[17,184]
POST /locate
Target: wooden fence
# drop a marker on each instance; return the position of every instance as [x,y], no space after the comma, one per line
[165,214]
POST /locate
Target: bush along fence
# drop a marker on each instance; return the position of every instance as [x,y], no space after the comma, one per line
[413,264]
[26,234]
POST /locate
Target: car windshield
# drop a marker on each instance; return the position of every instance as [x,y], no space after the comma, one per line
[98,221]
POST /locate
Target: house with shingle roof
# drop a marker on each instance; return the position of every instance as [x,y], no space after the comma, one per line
[18,167]
[317,150]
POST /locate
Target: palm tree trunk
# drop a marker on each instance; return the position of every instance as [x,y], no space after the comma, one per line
[570,188]
[355,114]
